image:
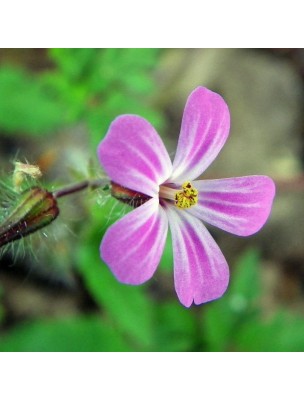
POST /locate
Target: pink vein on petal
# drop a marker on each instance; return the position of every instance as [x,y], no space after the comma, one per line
[204,130]
[238,205]
[201,273]
[134,156]
[133,246]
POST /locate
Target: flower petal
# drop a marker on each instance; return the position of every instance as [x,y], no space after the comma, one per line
[133,246]
[204,130]
[237,205]
[134,156]
[201,272]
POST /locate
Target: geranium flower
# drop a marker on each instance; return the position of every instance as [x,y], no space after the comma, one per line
[134,156]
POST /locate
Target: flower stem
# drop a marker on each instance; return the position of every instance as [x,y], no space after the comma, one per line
[77,187]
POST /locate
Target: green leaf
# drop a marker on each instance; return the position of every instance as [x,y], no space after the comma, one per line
[283,332]
[176,327]
[25,106]
[245,283]
[69,334]
[74,63]
[224,317]
[218,323]
[97,85]
[236,321]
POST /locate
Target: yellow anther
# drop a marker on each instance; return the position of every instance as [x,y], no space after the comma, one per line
[187,197]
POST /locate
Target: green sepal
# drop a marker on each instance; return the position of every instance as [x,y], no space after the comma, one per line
[34,209]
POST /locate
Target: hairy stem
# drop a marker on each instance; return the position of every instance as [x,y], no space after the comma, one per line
[77,187]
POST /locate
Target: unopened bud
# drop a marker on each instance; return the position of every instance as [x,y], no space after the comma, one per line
[34,209]
[128,196]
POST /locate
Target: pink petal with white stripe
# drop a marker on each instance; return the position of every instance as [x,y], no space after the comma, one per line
[134,156]
[237,205]
[133,246]
[201,272]
[204,130]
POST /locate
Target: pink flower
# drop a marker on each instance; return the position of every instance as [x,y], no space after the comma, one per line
[134,156]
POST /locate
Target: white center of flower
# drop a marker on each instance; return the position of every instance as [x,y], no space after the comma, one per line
[185,198]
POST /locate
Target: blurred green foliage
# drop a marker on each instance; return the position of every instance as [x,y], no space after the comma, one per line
[90,86]
[237,323]
[95,86]
[83,333]
[24,105]
[131,319]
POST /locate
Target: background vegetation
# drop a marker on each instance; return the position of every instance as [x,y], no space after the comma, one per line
[55,292]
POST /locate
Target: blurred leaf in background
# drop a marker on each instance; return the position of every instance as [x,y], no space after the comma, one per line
[84,85]
[96,85]
[223,318]
[236,322]
[282,332]
[25,107]
[176,327]
[81,333]
[133,319]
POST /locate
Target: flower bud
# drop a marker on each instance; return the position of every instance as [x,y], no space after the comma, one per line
[128,196]
[34,209]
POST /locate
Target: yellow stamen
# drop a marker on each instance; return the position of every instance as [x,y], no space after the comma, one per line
[187,197]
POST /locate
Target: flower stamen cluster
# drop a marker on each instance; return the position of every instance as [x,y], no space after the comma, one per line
[187,197]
